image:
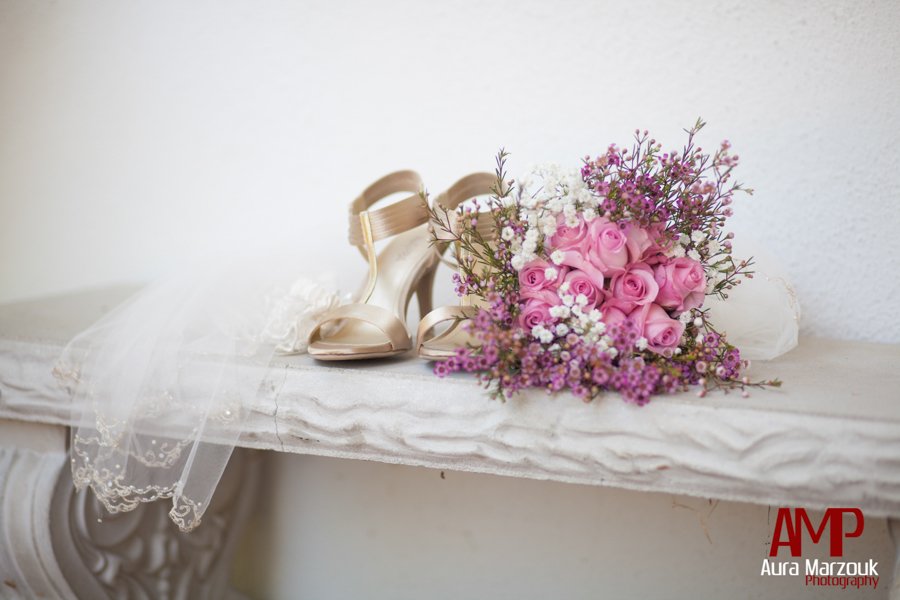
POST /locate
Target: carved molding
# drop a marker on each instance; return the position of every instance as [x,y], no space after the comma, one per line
[141,554]
[28,565]
[674,445]
[831,436]
[59,543]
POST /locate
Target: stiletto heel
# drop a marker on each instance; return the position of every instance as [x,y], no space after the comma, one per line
[374,325]
[425,292]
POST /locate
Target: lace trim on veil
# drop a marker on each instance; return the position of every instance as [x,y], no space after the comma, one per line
[161,387]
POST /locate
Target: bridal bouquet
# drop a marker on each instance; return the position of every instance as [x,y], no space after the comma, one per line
[595,280]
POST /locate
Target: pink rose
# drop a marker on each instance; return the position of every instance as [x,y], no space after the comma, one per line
[638,242]
[533,277]
[643,243]
[662,332]
[577,260]
[607,251]
[634,287]
[657,233]
[582,283]
[534,312]
[570,238]
[545,296]
[682,284]
[613,315]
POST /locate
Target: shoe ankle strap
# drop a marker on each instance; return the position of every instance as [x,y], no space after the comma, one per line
[466,188]
[389,220]
[470,186]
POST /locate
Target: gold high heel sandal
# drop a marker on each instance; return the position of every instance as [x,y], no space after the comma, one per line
[374,326]
[431,344]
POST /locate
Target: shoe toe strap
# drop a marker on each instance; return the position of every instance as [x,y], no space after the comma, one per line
[441,315]
[386,321]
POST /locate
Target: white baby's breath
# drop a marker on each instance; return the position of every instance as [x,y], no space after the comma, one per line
[560,312]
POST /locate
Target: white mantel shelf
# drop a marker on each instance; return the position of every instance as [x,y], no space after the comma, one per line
[829,437]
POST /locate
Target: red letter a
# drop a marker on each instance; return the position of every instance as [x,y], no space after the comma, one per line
[793,542]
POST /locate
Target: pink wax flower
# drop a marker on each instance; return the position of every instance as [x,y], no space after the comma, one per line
[661,331]
[607,251]
[535,311]
[582,283]
[533,277]
[570,238]
[635,286]
[682,284]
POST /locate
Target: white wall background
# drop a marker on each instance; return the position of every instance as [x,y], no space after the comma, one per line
[133,135]
[369,530]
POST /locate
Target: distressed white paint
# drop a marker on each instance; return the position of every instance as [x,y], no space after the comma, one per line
[764,449]
[135,134]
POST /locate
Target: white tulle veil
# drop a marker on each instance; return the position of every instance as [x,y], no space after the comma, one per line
[159,385]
